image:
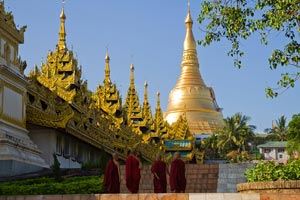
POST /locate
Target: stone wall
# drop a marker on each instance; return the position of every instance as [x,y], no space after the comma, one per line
[275,187]
[230,175]
[200,178]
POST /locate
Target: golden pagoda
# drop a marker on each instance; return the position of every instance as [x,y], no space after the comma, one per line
[190,94]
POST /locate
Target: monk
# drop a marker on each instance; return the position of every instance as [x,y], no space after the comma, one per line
[159,170]
[112,175]
[133,172]
[177,174]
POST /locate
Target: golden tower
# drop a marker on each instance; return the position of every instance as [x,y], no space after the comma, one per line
[190,94]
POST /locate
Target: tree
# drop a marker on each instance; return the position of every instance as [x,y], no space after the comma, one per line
[294,134]
[237,20]
[235,133]
[279,129]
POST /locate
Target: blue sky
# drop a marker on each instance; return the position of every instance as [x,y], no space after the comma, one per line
[150,34]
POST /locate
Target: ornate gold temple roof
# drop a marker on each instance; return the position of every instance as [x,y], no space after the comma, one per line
[190,94]
[58,98]
[60,73]
[107,96]
[132,108]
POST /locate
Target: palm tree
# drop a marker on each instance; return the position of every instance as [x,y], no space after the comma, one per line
[235,133]
[279,129]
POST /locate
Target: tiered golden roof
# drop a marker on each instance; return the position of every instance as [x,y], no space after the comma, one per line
[160,125]
[58,98]
[132,108]
[107,96]
[190,94]
[60,72]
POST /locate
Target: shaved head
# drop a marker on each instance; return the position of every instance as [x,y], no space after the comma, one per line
[115,156]
[177,155]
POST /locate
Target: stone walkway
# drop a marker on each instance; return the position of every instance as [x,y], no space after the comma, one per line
[169,196]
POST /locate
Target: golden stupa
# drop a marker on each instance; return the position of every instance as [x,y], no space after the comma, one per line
[191,96]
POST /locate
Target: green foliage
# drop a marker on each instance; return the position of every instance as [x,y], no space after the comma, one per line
[233,136]
[279,130]
[237,20]
[39,186]
[270,171]
[236,156]
[294,134]
[235,133]
[56,168]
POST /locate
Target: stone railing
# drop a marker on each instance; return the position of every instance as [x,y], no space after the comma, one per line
[282,187]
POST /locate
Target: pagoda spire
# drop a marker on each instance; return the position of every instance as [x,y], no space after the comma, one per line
[160,125]
[62,31]
[132,106]
[190,74]
[107,69]
[147,114]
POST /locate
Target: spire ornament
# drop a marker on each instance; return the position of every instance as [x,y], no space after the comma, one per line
[132,109]
[62,32]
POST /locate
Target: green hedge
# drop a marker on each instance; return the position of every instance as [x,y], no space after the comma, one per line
[270,171]
[39,186]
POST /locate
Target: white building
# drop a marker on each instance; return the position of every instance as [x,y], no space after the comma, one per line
[274,150]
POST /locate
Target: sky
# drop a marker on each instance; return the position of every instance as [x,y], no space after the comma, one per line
[150,35]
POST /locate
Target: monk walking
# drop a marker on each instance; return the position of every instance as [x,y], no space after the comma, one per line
[159,170]
[177,174]
[133,172]
[112,175]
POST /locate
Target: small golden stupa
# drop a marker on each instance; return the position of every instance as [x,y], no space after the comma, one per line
[191,96]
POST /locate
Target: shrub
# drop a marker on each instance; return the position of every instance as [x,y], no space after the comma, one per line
[270,171]
[56,168]
[41,186]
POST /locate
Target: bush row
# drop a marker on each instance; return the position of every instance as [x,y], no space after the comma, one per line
[40,186]
[271,171]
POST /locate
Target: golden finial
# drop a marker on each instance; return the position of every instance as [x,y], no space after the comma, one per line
[189,42]
[131,74]
[107,68]
[107,58]
[158,100]
[188,18]
[62,31]
[145,90]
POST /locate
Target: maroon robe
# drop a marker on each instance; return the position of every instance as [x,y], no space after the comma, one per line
[160,185]
[111,178]
[177,176]
[133,174]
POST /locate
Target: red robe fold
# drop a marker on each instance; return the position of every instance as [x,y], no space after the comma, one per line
[111,178]
[133,174]
[160,185]
[177,176]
